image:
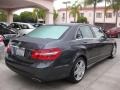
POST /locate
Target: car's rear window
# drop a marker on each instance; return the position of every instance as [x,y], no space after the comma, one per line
[52,32]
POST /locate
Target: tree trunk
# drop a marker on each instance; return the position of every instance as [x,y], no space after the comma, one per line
[54,21]
[104,25]
[74,19]
[94,13]
[116,18]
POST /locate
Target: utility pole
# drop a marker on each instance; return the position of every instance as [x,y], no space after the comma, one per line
[66,3]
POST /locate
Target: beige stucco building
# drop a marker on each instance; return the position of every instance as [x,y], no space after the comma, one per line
[110,19]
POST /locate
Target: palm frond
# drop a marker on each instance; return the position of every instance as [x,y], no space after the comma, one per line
[75,9]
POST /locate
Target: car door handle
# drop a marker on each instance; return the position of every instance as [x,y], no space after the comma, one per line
[85,42]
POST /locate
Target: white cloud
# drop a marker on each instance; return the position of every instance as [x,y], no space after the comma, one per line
[57,4]
[22,10]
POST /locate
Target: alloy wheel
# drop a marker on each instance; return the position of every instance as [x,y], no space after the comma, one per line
[79,70]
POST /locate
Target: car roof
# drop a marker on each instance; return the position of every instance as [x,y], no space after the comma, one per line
[69,24]
[62,24]
[20,23]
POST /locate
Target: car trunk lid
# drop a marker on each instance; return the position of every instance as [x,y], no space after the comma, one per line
[22,47]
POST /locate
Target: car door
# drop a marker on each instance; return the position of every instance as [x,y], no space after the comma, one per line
[104,45]
[87,40]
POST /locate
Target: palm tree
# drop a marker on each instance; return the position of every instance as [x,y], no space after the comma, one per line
[39,13]
[106,1]
[55,16]
[94,3]
[74,10]
[115,5]
[35,14]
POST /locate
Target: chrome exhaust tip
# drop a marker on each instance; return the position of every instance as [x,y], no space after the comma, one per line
[36,79]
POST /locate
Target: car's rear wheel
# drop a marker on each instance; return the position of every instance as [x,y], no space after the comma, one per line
[114,51]
[78,70]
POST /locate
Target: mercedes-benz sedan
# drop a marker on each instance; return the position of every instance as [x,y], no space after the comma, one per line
[53,52]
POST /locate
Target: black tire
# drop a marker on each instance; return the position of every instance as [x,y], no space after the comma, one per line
[113,52]
[72,77]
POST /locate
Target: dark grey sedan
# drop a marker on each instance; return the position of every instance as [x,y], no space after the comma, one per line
[54,52]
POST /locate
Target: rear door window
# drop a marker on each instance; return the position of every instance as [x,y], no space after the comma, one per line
[78,35]
[52,32]
[86,32]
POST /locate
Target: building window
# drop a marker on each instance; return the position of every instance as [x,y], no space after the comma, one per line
[81,14]
[98,15]
[108,15]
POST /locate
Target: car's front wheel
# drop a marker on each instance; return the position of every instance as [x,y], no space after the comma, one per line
[78,70]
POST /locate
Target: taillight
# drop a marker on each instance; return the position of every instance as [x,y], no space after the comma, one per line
[46,54]
[1,38]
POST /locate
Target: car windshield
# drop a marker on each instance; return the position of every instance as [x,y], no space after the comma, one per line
[52,32]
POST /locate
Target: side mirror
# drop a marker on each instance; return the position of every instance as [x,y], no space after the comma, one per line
[103,38]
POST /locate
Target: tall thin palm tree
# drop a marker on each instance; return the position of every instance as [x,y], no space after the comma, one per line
[115,5]
[94,3]
[105,7]
[39,13]
[75,10]
[55,16]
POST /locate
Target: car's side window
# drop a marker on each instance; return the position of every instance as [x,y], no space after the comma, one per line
[86,32]
[98,32]
[24,26]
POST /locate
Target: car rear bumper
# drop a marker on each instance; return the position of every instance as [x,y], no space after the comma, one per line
[42,74]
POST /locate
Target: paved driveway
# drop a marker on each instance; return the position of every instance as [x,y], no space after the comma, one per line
[103,76]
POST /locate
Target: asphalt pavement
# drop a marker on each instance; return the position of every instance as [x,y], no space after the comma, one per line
[103,76]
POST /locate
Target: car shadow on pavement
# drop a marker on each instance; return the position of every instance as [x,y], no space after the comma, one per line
[91,75]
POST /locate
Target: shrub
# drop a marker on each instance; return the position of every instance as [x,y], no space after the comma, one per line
[82,19]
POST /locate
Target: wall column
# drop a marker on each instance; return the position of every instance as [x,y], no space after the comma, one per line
[9,16]
[49,17]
